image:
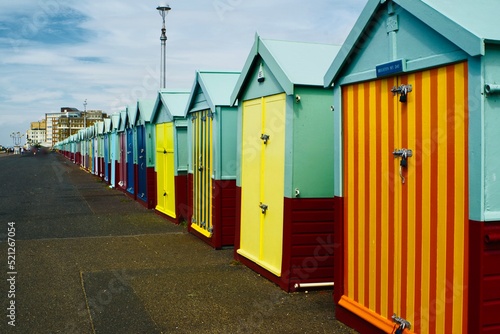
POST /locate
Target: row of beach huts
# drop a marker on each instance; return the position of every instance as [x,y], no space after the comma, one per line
[373,167]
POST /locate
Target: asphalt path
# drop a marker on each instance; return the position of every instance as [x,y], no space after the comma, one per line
[79,257]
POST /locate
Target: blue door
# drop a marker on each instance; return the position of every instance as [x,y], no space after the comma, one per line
[106,157]
[141,164]
[130,160]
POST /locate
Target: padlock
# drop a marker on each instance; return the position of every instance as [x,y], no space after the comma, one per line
[404,162]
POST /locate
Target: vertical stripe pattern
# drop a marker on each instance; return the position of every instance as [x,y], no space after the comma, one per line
[406,242]
[202,172]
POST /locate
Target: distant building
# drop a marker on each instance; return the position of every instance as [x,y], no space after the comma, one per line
[51,119]
[63,124]
[36,135]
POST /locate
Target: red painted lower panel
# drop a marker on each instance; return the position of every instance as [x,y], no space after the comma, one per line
[308,252]
[151,187]
[237,223]
[223,213]
[181,198]
[484,277]
[308,246]
[338,240]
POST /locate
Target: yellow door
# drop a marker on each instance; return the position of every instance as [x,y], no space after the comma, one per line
[202,172]
[165,169]
[262,181]
[406,226]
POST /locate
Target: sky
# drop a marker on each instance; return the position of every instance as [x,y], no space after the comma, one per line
[59,53]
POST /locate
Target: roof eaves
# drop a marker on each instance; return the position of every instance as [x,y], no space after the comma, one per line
[352,39]
[459,35]
[254,52]
[206,90]
[276,68]
[463,38]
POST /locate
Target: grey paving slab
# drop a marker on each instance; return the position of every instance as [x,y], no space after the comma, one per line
[81,246]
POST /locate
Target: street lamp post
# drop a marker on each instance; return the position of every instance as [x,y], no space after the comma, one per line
[163,9]
[85,113]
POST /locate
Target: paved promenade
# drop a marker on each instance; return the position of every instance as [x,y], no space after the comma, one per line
[83,258]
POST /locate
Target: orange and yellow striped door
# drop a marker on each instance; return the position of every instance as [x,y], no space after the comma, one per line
[405,228]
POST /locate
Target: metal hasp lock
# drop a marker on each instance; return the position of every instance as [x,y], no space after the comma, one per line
[403,90]
[402,324]
[404,154]
[263,207]
[264,137]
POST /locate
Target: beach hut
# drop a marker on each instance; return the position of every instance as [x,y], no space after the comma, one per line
[79,147]
[74,147]
[122,158]
[100,149]
[416,132]
[146,177]
[284,220]
[131,153]
[171,155]
[114,148]
[106,149]
[83,147]
[89,135]
[212,157]
[95,144]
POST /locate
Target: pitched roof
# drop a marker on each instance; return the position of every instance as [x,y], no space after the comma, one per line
[132,114]
[468,24]
[174,102]
[107,125]
[479,16]
[292,63]
[216,86]
[123,121]
[145,109]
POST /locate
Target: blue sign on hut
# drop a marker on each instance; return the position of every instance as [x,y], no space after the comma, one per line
[212,157]
[146,177]
[417,100]
[284,227]
[171,154]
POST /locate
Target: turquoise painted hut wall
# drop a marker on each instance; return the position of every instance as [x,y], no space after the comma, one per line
[431,36]
[303,122]
[491,135]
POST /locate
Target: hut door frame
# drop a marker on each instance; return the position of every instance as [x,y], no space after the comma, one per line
[141,163]
[262,181]
[202,172]
[165,155]
[106,157]
[130,161]
[406,241]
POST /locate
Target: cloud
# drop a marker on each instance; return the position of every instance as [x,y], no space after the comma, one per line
[59,53]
